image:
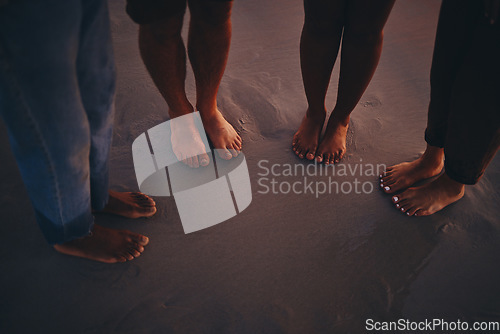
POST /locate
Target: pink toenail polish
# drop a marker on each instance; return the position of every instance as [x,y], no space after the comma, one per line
[395,198]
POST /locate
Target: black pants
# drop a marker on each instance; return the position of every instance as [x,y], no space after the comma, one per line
[151,11]
[464,111]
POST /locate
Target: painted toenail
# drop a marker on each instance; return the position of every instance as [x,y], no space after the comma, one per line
[395,198]
[402,209]
[408,213]
[397,205]
[381,185]
[387,188]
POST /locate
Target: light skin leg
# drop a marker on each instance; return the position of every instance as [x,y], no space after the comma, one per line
[164,54]
[208,50]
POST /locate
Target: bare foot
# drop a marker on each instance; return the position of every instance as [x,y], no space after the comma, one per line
[106,245]
[224,137]
[130,204]
[333,145]
[406,174]
[305,141]
[187,144]
[429,198]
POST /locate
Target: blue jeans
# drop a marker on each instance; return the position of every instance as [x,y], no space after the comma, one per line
[57,82]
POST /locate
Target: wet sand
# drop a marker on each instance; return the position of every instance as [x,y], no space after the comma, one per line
[290,263]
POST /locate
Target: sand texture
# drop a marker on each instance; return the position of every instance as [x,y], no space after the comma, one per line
[288,263]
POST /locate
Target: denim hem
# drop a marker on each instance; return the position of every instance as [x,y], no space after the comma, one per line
[77,228]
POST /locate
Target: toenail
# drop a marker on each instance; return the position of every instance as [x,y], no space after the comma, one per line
[381,185]
[395,198]
[402,209]
[387,188]
[397,205]
[408,213]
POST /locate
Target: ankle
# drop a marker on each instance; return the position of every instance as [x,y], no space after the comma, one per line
[455,188]
[209,115]
[340,118]
[433,157]
[316,114]
[180,109]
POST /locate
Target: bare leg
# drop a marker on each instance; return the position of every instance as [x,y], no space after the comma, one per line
[473,125]
[455,31]
[208,49]
[164,55]
[106,245]
[319,45]
[406,174]
[361,49]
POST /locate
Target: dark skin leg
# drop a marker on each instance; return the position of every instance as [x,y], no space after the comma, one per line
[429,198]
[319,46]
[208,49]
[106,245]
[472,128]
[110,245]
[129,205]
[361,49]
[406,174]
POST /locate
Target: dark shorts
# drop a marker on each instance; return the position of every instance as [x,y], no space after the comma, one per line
[150,11]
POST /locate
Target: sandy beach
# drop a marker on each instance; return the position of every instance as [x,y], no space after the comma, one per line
[306,262]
